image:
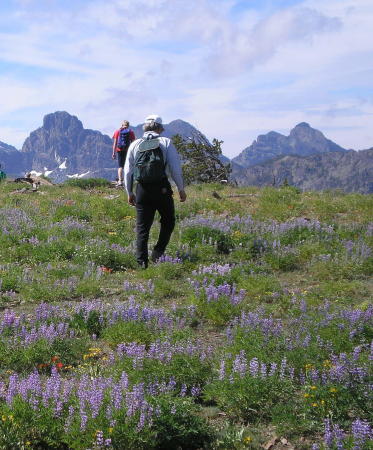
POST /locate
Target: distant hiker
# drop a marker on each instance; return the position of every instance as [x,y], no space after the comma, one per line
[2,174]
[122,140]
[150,161]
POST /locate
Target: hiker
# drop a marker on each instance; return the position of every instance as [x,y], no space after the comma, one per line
[122,140]
[2,174]
[151,159]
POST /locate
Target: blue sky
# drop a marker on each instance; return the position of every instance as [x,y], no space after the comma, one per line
[232,68]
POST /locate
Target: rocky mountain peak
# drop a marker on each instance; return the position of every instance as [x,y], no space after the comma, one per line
[302,125]
[63,148]
[272,136]
[303,140]
[62,121]
[7,147]
[304,129]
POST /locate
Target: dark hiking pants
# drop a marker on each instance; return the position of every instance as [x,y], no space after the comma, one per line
[149,199]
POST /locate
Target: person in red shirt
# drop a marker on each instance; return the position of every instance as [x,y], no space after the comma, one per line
[122,152]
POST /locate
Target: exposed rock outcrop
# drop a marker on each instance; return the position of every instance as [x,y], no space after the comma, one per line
[350,171]
[303,141]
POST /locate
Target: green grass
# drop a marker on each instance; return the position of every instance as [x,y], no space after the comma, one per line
[303,260]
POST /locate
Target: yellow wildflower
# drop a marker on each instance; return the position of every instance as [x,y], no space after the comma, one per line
[3,418]
[333,390]
[94,350]
[111,430]
[313,387]
[306,395]
[314,404]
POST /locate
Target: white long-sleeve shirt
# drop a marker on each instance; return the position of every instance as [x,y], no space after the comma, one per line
[170,156]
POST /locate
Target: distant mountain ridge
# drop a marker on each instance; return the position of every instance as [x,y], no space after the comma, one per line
[303,140]
[7,147]
[11,159]
[63,148]
[350,171]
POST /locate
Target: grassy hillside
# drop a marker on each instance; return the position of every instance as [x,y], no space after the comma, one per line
[254,330]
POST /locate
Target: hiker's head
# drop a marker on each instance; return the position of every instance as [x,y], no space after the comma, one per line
[125,124]
[153,123]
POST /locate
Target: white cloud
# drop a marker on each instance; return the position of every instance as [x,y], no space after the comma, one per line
[231,76]
[240,49]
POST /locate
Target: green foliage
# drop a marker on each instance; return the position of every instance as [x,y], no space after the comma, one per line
[301,283]
[286,262]
[201,159]
[202,234]
[218,312]
[102,255]
[180,426]
[26,358]
[93,324]
[128,332]
[249,398]
[87,183]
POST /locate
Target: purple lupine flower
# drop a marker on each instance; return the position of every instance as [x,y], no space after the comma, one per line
[328,434]
[339,436]
[183,390]
[291,371]
[272,369]
[283,368]
[215,269]
[356,353]
[69,419]
[362,432]
[116,395]
[169,259]
[240,364]
[195,391]
[254,367]
[222,370]
[143,416]
[263,370]
[83,419]
[99,438]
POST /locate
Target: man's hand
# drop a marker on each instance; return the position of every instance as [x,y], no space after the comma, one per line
[113,155]
[182,195]
[132,199]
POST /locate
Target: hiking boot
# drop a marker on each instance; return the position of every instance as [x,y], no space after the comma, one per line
[156,255]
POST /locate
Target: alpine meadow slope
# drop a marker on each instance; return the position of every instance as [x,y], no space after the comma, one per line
[253,331]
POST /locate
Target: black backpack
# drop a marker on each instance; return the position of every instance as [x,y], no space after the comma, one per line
[149,163]
[123,139]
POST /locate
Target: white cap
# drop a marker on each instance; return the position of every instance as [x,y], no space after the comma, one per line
[154,118]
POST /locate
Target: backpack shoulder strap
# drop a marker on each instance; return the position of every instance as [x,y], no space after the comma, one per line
[149,143]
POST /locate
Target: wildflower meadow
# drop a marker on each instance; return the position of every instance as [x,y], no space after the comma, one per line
[254,331]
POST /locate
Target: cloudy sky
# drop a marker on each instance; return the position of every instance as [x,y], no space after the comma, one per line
[232,68]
